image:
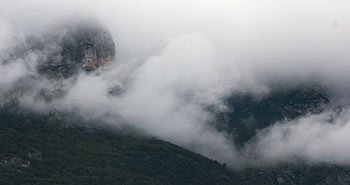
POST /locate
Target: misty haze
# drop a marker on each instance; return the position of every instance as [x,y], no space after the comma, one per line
[172,92]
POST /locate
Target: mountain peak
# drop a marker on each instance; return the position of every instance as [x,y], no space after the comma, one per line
[84,46]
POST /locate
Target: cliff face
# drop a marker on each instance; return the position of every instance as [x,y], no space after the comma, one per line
[59,53]
[82,46]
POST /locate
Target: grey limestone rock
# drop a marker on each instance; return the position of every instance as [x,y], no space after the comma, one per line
[83,46]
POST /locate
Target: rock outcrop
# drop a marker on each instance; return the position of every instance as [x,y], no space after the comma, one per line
[81,46]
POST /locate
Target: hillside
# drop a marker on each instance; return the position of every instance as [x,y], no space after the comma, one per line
[35,149]
[246,114]
[41,149]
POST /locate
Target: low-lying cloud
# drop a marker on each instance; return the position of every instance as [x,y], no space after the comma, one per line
[313,139]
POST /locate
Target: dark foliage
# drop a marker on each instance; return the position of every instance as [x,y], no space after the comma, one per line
[36,149]
[248,114]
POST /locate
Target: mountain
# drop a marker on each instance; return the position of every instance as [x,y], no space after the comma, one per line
[56,148]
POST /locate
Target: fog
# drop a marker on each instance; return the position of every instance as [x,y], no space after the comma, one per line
[177,59]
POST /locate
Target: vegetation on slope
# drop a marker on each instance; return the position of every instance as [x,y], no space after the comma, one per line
[35,149]
[248,114]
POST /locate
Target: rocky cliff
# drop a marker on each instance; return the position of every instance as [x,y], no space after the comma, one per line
[81,46]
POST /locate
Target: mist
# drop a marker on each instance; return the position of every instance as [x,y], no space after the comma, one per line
[177,59]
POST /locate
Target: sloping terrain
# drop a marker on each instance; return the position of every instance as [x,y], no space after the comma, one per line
[246,114]
[44,149]
[35,149]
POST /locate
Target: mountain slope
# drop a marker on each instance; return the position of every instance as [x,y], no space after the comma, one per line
[246,114]
[35,149]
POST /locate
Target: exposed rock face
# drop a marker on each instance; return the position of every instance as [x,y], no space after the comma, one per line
[83,46]
[59,54]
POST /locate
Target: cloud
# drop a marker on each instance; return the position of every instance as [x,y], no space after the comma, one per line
[165,98]
[313,139]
